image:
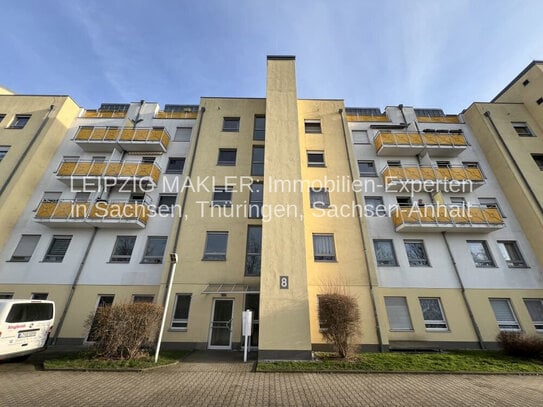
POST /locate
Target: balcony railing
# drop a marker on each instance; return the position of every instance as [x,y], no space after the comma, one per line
[138,171]
[106,138]
[68,212]
[430,179]
[450,118]
[367,118]
[104,114]
[450,218]
[176,115]
[442,144]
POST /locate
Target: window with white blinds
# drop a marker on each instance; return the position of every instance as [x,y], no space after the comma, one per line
[504,314]
[535,309]
[323,247]
[398,314]
[24,250]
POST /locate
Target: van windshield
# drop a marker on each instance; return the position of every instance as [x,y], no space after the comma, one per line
[30,312]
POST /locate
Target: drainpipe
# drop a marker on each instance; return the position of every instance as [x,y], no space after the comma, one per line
[74,285]
[510,156]
[183,202]
[463,289]
[372,278]
[27,149]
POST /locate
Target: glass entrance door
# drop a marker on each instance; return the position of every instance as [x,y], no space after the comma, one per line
[220,332]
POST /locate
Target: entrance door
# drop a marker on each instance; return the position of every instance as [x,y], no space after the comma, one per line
[220,332]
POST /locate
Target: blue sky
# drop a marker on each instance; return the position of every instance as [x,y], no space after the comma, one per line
[430,53]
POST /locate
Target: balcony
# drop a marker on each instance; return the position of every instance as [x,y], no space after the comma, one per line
[178,112]
[114,214]
[417,178]
[449,118]
[409,144]
[447,218]
[103,139]
[78,172]
[104,114]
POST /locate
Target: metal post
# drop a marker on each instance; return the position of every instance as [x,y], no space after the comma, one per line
[173,260]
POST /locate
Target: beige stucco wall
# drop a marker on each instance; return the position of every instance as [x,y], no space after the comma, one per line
[29,173]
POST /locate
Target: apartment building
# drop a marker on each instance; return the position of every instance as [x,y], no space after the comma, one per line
[31,129]
[510,130]
[268,203]
[452,262]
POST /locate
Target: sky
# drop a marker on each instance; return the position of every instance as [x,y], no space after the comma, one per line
[424,53]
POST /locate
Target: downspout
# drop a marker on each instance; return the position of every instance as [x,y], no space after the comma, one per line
[372,279]
[74,285]
[183,202]
[510,156]
[27,149]
[463,289]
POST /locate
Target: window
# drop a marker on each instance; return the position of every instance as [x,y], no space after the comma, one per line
[181,309]
[458,202]
[366,168]
[230,124]
[404,201]
[215,248]
[443,164]
[535,309]
[2,117]
[429,112]
[6,296]
[136,197]
[538,158]
[182,134]
[504,314]
[312,126]
[538,101]
[114,107]
[525,82]
[51,197]
[222,196]
[319,198]
[254,250]
[491,203]
[416,254]
[394,163]
[374,206]
[315,159]
[363,111]
[256,198]
[398,314]
[39,296]
[323,323]
[24,250]
[20,121]
[432,312]
[154,251]
[511,253]
[384,253]
[82,197]
[480,253]
[175,165]
[166,203]
[147,160]
[360,137]
[259,131]
[136,299]
[522,129]
[323,247]
[181,108]
[257,161]
[3,152]
[57,249]
[122,251]
[227,156]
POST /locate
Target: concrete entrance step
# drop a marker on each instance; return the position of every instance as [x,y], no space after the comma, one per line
[218,361]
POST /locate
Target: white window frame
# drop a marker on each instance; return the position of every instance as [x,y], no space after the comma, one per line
[184,321]
[392,313]
[442,321]
[538,322]
[503,325]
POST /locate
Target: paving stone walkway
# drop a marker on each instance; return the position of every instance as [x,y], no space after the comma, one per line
[202,380]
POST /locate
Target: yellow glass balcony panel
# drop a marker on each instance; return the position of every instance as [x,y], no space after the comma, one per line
[459,140]
[460,215]
[476,215]
[112,133]
[356,118]
[129,170]
[493,215]
[84,133]
[97,169]
[144,169]
[176,115]
[412,173]
[98,133]
[440,119]
[474,174]
[113,169]
[46,209]
[402,138]
[82,168]
[66,168]
[394,172]
[427,173]
[378,142]
[431,139]
[415,139]
[63,210]
[458,173]
[140,135]
[443,173]
[444,140]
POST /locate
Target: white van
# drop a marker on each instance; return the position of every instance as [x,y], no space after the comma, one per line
[25,326]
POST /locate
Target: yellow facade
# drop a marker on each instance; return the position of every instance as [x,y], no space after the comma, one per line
[31,148]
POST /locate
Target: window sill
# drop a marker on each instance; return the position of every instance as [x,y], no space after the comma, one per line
[21,261]
[316,165]
[118,262]
[226,164]
[208,259]
[368,175]
[401,330]
[443,330]
[178,330]
[325,261]
[230,131]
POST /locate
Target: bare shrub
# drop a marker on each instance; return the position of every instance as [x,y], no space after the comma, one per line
[120,331]
[340,320]
[520,344]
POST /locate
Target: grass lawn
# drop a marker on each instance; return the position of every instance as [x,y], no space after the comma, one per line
[453,361]
[86,360]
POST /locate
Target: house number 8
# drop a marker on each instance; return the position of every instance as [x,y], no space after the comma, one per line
[283,282]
